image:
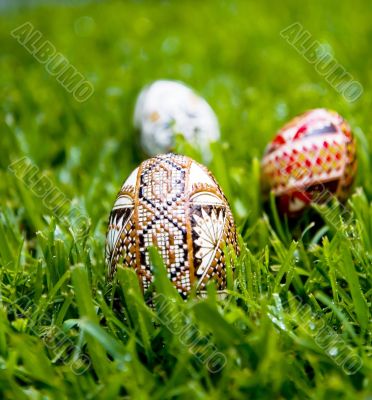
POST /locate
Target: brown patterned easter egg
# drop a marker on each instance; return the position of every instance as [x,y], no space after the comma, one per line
[311,159]
[175,204]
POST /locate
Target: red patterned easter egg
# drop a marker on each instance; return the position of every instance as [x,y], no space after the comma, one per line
[311,159]
[175,204]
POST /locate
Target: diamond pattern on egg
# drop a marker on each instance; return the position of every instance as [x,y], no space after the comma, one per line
[175,204]
[311,159]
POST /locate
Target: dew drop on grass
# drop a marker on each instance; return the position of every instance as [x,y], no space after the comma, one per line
[279,323]
[333,351]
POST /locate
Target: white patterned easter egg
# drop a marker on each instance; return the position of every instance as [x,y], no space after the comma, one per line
[166,108]
[175,204]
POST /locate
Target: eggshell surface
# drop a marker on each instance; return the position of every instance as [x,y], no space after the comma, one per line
[167,108]
[311,159]
[175,204]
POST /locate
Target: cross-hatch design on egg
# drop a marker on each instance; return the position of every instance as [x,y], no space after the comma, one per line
[313,154]
[175,204]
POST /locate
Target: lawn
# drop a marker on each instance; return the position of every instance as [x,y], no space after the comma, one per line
[297,320]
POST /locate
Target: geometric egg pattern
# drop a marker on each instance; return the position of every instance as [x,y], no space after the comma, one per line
[311,157]
[175,204]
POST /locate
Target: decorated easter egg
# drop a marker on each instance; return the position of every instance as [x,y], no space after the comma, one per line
[167,108]
[175,204]
[311,159]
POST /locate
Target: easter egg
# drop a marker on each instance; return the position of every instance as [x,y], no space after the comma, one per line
[175,204]
[167,108]
[311,159]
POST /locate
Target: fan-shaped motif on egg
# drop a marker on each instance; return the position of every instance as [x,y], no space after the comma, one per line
[179,208]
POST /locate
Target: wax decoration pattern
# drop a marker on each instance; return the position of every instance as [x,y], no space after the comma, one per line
[175,204]
[310,159]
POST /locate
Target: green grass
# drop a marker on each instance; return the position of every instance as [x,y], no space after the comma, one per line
[299,304]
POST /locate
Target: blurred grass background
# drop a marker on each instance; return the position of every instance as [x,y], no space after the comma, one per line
[232,53]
